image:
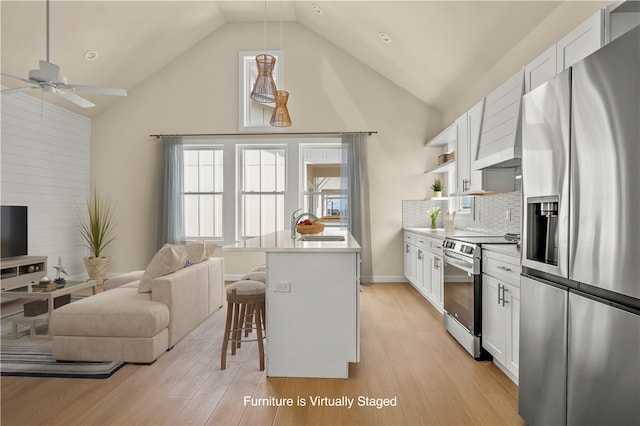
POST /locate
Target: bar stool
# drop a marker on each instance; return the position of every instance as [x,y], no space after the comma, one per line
[245,303]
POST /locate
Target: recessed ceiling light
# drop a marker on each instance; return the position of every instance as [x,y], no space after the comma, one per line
[385,37]
[90,55]
[316,9]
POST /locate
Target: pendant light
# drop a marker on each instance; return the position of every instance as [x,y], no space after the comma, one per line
[280,116]
[264,89]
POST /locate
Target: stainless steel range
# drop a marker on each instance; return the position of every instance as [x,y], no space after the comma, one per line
[463,289]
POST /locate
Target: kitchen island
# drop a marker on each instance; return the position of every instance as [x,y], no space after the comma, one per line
[312,304]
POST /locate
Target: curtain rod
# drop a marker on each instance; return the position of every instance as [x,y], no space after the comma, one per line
[369,132]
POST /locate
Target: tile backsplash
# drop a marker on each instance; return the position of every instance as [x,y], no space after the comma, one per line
[493,214]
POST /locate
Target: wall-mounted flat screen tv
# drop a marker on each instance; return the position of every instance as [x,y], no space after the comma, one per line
[14,231]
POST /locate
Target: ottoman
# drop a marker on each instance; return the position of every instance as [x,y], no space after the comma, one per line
[117,325]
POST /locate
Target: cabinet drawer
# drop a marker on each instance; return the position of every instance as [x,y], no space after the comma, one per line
[409,237]
[505,268]
[421,242]
[435,245]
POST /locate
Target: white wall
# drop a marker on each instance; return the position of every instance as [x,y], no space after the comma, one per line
[46,166]
[198,93]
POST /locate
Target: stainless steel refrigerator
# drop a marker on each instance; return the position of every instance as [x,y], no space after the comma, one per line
[580,289]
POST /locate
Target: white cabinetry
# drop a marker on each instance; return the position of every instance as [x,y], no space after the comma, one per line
[471,181]
[501,310]
[410,256]
[540,69]
[575,46]
[585,39]
[423,266]
[620,17]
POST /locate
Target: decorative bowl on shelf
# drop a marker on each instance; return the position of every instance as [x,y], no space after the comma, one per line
[314,228]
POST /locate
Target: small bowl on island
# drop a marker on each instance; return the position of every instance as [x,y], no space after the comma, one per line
[309,226]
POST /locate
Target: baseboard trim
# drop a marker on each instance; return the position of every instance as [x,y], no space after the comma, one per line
[369,280]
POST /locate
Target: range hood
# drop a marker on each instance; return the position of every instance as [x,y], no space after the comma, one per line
[500,138]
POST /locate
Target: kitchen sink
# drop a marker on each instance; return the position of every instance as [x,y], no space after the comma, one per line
[321,238]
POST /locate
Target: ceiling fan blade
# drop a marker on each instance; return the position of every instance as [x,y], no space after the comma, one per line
[19,78]
[75,99]
[18,90]
[100,90]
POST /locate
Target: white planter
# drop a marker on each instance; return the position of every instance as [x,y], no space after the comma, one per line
[97,268]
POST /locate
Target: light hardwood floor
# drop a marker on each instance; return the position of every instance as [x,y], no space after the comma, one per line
[405,354]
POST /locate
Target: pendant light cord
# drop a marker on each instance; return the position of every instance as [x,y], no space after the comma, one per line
[281,46]
[265,26]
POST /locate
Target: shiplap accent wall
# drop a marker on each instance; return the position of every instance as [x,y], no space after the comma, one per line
[45,165]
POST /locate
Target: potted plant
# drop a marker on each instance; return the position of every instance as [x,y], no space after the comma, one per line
[433,214]
[96,228]
[437,188]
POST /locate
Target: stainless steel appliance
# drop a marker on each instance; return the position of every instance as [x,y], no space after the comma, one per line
[580,290]
[463,289]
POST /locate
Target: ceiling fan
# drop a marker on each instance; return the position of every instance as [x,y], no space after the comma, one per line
[48,79]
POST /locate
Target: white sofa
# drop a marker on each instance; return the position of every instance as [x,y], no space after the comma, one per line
[125,324]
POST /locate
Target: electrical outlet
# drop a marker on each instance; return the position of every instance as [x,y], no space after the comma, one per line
[282,286]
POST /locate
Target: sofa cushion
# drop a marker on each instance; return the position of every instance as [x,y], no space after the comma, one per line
[121,312]
[256,276]
[168,259]
[122,279]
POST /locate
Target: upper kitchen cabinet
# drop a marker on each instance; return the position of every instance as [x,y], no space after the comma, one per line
[581,42]
[541,69]
[619,18]
[471,181]
[500,144]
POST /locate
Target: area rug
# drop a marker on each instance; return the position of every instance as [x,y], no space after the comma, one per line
[32,356]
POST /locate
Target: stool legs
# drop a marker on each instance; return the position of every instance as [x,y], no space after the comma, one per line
[241,317]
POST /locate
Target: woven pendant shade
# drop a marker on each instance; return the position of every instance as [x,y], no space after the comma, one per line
[264,88]
[280,117]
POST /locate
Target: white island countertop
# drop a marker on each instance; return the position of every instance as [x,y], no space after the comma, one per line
[282,242]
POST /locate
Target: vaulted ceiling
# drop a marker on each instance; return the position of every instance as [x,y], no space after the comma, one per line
[435,45]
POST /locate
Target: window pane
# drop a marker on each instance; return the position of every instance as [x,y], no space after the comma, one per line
[191,215]
[218,172]
[202,208]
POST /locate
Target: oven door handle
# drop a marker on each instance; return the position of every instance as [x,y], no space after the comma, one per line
[458,263]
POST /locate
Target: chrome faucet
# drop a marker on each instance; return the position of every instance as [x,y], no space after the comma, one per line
[295,219]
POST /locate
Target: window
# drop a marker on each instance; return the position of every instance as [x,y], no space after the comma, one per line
[238,189]
[203,189]
[254,115]
[324,195]
[262,193]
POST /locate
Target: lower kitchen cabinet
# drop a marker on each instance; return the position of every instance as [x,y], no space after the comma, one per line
[423,266]
[501,312]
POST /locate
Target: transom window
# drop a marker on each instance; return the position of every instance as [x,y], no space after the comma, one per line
[253,115]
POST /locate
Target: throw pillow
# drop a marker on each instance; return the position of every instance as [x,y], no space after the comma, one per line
[196,252]
[167,260]
[209,249]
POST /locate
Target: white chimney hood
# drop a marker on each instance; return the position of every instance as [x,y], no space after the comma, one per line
[500,137]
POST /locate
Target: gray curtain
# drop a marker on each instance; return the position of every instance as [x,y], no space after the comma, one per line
[355,178]
[170,228]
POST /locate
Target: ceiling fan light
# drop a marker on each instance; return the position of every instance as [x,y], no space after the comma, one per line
[280,116]
[264,88]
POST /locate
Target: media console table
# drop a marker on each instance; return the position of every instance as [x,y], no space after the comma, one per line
[21,270]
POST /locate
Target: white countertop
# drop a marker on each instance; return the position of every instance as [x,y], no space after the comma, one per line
[282,242]
[441,234]
[507,249]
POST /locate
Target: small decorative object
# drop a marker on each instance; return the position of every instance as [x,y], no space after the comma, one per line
[449,222]
[437,188]
[36,268]
[31,269]
[44,280]
[433,214]
[60,268]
